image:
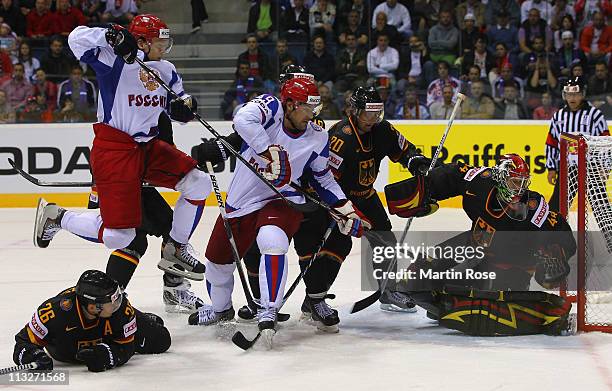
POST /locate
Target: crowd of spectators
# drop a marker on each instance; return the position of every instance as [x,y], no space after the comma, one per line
[509,57]
[40,80]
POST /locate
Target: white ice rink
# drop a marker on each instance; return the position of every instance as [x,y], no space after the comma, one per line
[373,351]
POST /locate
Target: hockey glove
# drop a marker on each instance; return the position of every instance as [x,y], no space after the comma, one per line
[98,358]
[182,109]
[278,169]
[355,223]
[418,165]
[123,43]
[552,268]
[26,354]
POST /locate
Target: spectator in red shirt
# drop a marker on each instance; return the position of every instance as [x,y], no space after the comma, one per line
[17,88]
[68,17]
[6,65]
[45,87]
[40,22]
[596,39]
[259,62]
[546,111]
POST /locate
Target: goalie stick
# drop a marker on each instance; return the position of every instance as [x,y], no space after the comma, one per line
[239,339]
[373,298]
[18,368]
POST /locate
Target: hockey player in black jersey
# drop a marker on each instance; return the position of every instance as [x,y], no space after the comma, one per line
[520,237]
[91,323]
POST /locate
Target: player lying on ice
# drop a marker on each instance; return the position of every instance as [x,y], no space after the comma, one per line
[127,150]
[92,323]
[519,236]
[282,142]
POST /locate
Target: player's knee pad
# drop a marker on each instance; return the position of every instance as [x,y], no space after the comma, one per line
[195,185]
[217,274]
[115,238]
[272,240]
[139,244]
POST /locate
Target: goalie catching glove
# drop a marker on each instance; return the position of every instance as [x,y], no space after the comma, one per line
[278,169]
[355,221]
[410,198]
[123,43]
[553,268]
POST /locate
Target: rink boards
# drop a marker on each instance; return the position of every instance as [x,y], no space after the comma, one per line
[60,152]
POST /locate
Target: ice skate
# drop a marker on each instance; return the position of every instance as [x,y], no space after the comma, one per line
[47,223]
[206,316]
[394,301]
[182,260]
[180,298]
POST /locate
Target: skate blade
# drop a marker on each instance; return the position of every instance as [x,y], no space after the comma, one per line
[38,224]
[170,267]
[306,317]
[267,336]
[328,329]
[179,309]
[394,308]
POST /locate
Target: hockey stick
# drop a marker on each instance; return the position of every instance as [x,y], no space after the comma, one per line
[239,339]
[230,235]
[18,368]
[301,207]
[373,298]
[38,182]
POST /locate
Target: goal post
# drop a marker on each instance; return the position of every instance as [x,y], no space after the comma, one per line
[585,167]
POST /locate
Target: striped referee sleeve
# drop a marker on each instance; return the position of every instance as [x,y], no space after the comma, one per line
[587,120]
[552,142]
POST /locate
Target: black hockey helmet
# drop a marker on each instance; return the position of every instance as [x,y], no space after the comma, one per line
[96,287]
[574,85]
[367,99]
[291,70]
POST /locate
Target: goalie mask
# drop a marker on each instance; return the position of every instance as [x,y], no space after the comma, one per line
[367,106]
[512,182]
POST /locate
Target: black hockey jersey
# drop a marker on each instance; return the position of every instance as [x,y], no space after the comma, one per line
[355,159]
[505,239]
[60,326]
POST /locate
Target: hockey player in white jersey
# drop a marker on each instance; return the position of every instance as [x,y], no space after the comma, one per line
[281,141]
[125,149]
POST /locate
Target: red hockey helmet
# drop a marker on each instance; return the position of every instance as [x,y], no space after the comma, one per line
[303,92]
[148,27]
[513,180]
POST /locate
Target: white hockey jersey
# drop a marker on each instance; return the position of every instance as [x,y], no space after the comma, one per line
[260,124]
[129,99]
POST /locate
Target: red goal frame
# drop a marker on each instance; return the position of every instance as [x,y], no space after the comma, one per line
[579,298]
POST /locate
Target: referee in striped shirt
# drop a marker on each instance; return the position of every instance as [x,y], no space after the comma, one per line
[576,116]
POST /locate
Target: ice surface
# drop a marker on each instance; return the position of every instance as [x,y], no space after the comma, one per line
[374,350]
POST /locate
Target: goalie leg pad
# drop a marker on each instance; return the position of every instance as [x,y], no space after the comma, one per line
[503,313]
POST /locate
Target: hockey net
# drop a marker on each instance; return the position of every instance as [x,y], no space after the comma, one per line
[585,184]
